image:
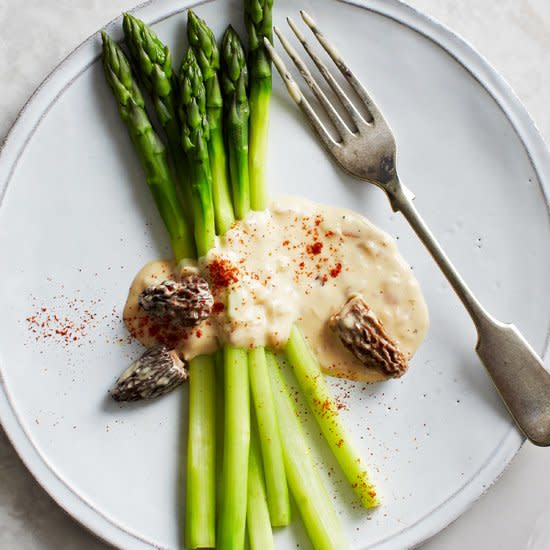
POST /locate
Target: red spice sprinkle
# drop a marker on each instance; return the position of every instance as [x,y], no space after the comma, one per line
[143,327]
[198,333]
[286,243]
[46,325]
[315,248]
[218,307]
[329,234]
[222,273]
[336,270]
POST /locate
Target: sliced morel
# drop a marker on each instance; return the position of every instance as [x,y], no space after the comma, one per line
[363,334]
[158,371]
[185,303]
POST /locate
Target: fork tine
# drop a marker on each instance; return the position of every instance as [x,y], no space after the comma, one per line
[327,75]
[299,98]
[340,125]
[344,69]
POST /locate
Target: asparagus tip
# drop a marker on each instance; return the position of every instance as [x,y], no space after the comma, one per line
[129,22]
[229,30]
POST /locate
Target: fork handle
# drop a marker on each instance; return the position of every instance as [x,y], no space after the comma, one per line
[516,370]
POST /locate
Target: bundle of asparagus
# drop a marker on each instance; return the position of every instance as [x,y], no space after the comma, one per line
[216,125]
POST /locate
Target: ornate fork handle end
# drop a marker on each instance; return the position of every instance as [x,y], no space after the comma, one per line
[519,376]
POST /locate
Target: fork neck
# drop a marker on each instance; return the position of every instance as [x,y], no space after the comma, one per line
[401,200]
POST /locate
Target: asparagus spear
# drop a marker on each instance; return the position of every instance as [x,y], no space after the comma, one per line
[269,437]
[200,510]
[310,495]
[234,80]
[258,19]
[234,84]
[149,147]
[153,63]
[260,535]
[218,361]
[194,138]
[232,521]
[315,389]
[204,45]
[248,169]
[200,525]
[200,494]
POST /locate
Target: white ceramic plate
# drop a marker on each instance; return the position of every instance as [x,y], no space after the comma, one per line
[76,222]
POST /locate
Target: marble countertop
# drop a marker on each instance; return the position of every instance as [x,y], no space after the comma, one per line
[514,35]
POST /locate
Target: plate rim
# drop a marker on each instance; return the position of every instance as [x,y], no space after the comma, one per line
[78,61]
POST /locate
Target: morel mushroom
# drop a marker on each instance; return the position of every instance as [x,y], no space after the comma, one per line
[185,303]
[158,371]
[363,334]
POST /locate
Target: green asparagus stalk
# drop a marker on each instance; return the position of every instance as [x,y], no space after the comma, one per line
[200,505]
[260,535]
[195,135]
[153,63]
[149,147]
[204,45]
[314,387]
[200,527]
[208,110]
[310,495]
[248,156]
[200,516]
[270,440]
[232,520]
[234,80]
[218,360]
[258,21]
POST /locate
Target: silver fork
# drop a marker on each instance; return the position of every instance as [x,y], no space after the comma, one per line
[368,152]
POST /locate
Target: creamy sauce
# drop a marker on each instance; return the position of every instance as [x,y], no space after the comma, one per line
[298,261]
